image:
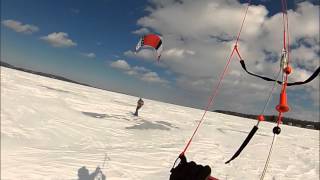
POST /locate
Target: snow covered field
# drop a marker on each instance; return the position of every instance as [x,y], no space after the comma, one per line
[51,128]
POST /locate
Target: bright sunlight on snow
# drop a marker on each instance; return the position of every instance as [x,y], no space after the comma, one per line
[51,128]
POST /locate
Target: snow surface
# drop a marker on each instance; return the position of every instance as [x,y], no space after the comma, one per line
[51,128]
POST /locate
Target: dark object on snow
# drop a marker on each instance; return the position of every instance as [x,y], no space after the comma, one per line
[140,103]
[190,171]
[83,173]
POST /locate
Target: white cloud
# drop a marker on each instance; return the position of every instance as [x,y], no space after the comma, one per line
[89,55]
[139,72]
[201,18]
[144,54]
[177,53]
[59,39]
[132,73]
[19,27]
[152,77]
[141,31]
[199,36]
[149,54]
[140,69]
[120,64]
[306,57]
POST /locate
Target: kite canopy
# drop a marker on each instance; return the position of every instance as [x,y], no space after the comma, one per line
[151,41]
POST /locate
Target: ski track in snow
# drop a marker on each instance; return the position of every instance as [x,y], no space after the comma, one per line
[52,128]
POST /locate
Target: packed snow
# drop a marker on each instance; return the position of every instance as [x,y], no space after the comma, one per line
[50,129]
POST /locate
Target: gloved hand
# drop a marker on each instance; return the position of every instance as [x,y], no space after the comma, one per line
[189,171]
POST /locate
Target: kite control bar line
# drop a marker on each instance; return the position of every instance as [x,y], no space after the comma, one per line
[312,77]
[210,102]
[276,131]
[283,106]
[260,118]
[215,90]
[288,68]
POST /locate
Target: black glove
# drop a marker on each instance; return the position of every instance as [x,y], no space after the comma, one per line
[189,171]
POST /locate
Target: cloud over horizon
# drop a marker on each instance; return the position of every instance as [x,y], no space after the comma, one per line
[19,27]
[59,39]
[199,36]
[89,55]
[139,72]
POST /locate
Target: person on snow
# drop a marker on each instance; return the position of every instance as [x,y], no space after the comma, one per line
[83,173]
[190,171]
[139,105]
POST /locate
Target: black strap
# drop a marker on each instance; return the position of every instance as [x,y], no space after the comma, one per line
[244,144]
[314,75]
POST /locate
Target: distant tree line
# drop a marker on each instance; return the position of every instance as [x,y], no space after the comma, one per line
[4,64]
[273,118]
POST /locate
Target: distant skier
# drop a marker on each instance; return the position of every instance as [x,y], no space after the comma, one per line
[83,174]
[190,171]
[139,105]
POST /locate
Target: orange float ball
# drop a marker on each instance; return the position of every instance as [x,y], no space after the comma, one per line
[288,70]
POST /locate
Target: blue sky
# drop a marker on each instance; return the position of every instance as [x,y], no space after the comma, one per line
[100,27]
[93,41]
